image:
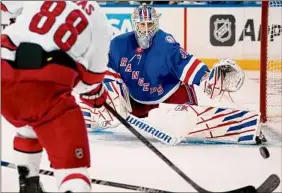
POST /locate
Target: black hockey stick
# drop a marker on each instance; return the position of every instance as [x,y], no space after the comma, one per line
[99,182]
[246,189]
[269,185]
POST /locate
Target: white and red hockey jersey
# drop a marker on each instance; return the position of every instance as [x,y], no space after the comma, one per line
[80,28]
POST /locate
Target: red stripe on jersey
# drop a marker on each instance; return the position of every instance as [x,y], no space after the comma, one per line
[3,7]
[191,70]
[89,77]
[7,43]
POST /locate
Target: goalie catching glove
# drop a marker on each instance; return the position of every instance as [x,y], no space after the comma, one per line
[225,75]
[96,97]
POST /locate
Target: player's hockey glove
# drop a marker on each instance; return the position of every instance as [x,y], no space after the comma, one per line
[95,98]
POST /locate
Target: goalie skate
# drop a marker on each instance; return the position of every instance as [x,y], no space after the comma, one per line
[260,138]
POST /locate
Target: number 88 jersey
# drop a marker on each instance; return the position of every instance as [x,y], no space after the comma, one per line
[79,28]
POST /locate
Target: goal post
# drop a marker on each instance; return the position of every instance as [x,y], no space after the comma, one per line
[271,60]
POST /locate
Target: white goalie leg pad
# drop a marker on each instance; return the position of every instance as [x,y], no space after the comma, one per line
[179,121]
[226,125]
[75,180]
[30,160]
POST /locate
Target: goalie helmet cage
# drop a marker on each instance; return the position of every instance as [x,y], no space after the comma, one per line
[271,60]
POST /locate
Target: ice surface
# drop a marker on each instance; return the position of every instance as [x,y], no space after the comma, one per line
[122,158]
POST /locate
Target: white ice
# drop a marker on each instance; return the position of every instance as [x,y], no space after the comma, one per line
[122,158]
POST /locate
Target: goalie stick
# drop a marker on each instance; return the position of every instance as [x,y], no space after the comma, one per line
[96,181]
[269,183]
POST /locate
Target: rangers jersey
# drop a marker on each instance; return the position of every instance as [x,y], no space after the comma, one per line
[154,74]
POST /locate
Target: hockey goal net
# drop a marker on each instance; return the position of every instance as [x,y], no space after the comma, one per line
[271,61]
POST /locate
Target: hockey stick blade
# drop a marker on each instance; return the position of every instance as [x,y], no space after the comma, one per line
[270,184]
[95,181]
[247,189]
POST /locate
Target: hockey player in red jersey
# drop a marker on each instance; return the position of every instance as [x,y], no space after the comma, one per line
[53,48]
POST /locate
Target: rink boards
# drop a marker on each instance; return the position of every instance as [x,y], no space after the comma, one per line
[208,32]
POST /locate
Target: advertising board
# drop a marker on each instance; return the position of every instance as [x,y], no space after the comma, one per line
[210,33]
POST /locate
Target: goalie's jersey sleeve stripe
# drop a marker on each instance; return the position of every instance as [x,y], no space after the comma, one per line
[198,74]
[194,71]
[6,42]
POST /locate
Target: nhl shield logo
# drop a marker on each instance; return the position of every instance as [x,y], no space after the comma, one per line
[222,30]
[79,153]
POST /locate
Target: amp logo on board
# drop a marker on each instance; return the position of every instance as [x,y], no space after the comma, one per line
[222,30]
[121,23]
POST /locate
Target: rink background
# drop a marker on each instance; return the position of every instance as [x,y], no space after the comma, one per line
[120,157]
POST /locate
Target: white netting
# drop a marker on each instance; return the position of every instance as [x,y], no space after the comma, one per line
[274,61]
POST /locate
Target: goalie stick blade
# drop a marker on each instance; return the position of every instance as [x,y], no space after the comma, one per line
[270,184]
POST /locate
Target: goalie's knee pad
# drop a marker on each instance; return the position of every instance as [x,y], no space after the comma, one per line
[73,180]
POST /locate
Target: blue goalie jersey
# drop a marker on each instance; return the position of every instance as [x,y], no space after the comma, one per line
[154,74]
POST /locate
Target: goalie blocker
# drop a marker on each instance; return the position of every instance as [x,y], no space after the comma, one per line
[216,124]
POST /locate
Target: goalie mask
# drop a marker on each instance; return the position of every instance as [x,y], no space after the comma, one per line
[145,24]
